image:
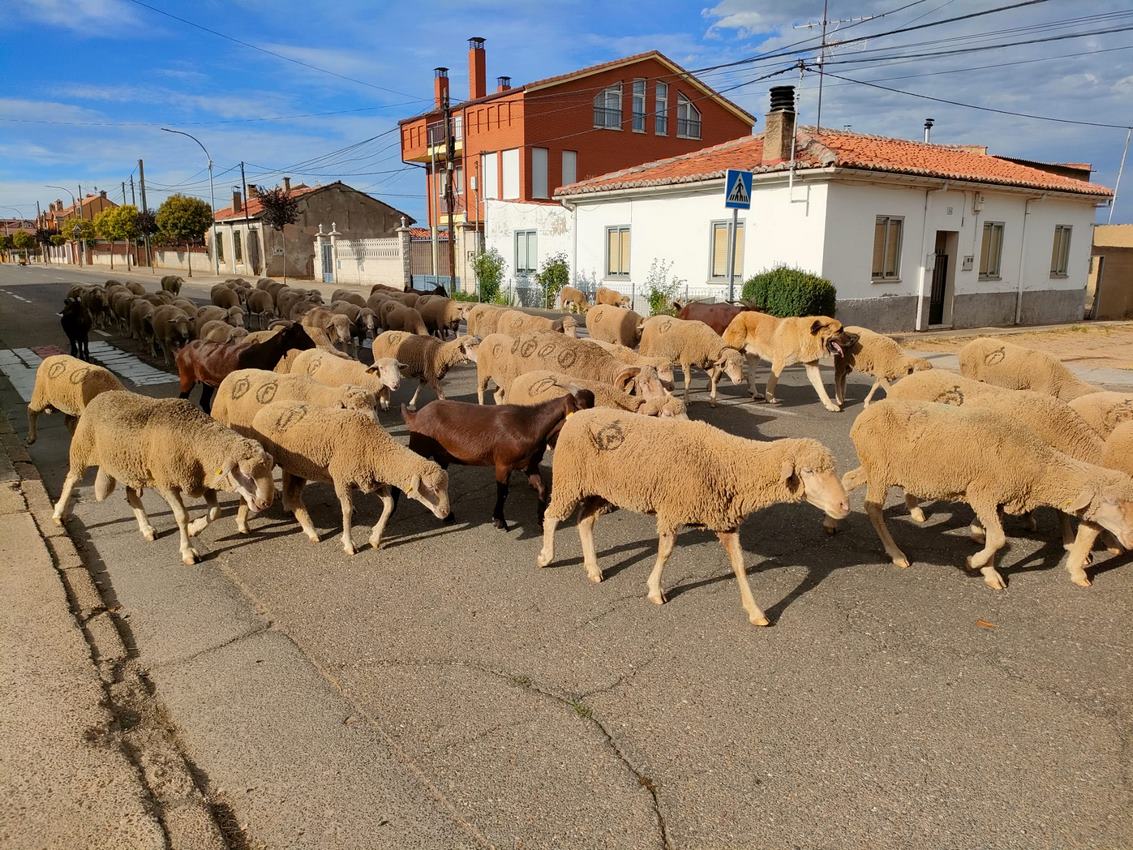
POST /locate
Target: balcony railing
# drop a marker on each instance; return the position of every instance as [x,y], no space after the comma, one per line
[435,133]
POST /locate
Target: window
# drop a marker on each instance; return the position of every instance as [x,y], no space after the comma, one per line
[525,255]
[991,250]
[511,174]
[1060,254]
[491,171]
[719,249]
[639,106]
[617,252]
[237,247]
[539,173]
[688,118]
[219,247]
[570,167]
[661,110]
[887,248]
[608,108]
[458,180]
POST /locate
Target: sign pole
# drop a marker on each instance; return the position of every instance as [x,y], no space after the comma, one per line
[732,256]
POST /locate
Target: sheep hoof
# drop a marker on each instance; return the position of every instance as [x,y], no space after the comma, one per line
[189,556]
[656,598]
[833,408]
[1114,550]
[149,535]
[543,559]
[994,580]
[197,526]
[29,441]
[450,519]
[349,549]
[917,515]
[759,621]
[758,397]
[595,577]
[1080,579]
[58,519]
[314,538]
[773,400]
[500,523]
[901,562]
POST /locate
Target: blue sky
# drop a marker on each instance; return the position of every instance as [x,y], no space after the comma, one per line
[90,82]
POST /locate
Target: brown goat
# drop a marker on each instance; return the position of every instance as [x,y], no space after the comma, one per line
[506,436]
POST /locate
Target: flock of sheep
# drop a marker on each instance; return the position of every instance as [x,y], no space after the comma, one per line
[1014,431]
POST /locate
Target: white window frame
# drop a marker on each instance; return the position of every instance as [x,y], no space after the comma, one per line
[1060,250]
[540,181]
[512,189]
[490,175]
[726,223]
[623,231]
[686,109]
[992,268]
[531,245]
[608,108]
[885,276]
[572,158]
[661,110]
[637,106]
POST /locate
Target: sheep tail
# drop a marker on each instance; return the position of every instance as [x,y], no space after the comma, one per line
[854,479]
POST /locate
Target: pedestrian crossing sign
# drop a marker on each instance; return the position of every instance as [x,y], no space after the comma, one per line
[737,190]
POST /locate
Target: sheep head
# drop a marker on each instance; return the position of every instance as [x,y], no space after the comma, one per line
[732,363]
[338,328]
[248,474]
[430,488]
[388,372]
[1110,506]
[469,347]
[358,398]
[810,468]
[570,326]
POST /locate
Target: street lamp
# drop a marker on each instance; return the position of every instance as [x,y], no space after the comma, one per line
[212,195]
[74,206]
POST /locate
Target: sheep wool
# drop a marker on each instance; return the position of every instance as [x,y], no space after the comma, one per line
[691,343]
[1104,411]
[941,386]
[517,322]
[335,370]
[425,358]
[243,392]
[68,385]
[632,357]
[484,319]
[877,355]
[541,385]
[607,323]
[996,361]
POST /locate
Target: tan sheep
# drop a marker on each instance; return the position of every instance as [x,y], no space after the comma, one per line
[927,450]
[442,315]
[350,296]
[632,357]
[692,343]
[260,304]
[877,355]
[220,331]
[425,358]
[517,322]
[381,378]
[66,384]
[543,384]
[363,322]
[223,295]
[1117,453]
[996,361]
[348,449]
[1104,410]
[402,318]
[605,295]
[618,325]
[172,328]
[608,459]
[573,300]
[170,283]
[245,391]
[483,319]
[120,304]
[135,287]
[286,297]
[141,311]
[171,445]
[335,325]
[941,386]
[233,315]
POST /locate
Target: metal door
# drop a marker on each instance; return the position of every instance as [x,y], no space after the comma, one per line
[939,282]
[328,262]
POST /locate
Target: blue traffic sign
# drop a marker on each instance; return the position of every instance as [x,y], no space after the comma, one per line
[737,190]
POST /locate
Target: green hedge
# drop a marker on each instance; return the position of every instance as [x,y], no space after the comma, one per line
[784,291]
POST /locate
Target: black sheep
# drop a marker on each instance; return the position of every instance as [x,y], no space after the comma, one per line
[76,324]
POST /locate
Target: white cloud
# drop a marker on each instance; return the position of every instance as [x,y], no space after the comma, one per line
[104,18]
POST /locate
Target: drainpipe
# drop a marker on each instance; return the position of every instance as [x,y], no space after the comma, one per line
[573,238]
[920,326]
[1022,257]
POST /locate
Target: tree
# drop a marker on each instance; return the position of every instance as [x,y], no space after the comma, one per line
[5,244]
[118,223]
[280,210]
[57,239]
[184,220]
[24,241]
[554,275]
[82,231]
[489,269]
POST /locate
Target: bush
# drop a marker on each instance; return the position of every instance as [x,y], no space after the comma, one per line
[554,275]
[489,269]
[784,291]
[661,288]
[463,296]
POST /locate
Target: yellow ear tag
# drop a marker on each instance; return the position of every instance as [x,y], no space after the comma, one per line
[219,471]
[570,413]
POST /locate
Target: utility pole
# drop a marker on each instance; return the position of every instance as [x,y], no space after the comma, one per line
[824,24]
[133,198]
[450,152]
[1120,171]
[142,188]
[248,235]
[123,192]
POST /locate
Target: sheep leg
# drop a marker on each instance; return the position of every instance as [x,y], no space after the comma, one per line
[665,542]
[387,510]
[342,490]
[815,376]
[713,377]
[591,508]
[916,512]
[189,555]
[201,523]
[135,500]
[752,362]
[206,397]
[880,382]
[413,401]
[293,501]
[1067,527]
[984,560]
[502,475]
[535,479]
[874,503]
[730,540]
[435,386]
[383,397]
[686,370]
[33,415]
[547,553]
[63,507]
[1079,554]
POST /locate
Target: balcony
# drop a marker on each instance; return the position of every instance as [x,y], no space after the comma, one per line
[435,134]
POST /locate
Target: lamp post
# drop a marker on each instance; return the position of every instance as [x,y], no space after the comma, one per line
[212,196]
[74,206]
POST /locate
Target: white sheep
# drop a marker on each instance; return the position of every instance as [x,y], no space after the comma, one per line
[1105,410]
[244,392]
[608,459]
[66,384]
[169,444]
[877,355]
[381,378]
[425,358]
[607,323]
[996,361]
[348,449]
[692,343]
[635,395]
[983,458]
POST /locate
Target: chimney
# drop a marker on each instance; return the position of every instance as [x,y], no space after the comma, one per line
[779,134]
[440,87]
[477,72]
[102,193]
[253,190]
[287,185]
[237,204]
[928,122]
[503,83]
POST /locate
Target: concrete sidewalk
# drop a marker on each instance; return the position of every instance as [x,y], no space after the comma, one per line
[83,763]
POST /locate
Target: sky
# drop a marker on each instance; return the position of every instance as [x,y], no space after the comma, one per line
[92,82]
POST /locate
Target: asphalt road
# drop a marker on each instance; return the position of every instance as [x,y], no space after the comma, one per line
[445,692]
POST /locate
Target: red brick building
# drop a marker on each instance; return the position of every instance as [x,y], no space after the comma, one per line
[524,142]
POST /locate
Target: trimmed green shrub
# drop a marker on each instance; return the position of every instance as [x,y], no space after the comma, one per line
[489,269]
[554,275]
[784,291]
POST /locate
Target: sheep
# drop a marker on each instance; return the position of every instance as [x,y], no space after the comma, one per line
[1104,410]
[402,318]
[605,295]
[425,358]
[171,283]
[264,283]
[171,445]
[516,322]
[632,357]
[261,304]
[244,392]
[996,361]
[692,344]
[302,307]
[135,287]
[381,287]
[120,303]
[359,455]
[223,295]
[350,296]
[233,315]
[76,324]
[607,323]
[219,331]
[285,298]
[442,315]
[941,386]
[97,304]
[573,300]
[543,384]
[363,321]
[382,378]
[877,355]
[927,450]
[1117,453]
[141,311]
[334,325]
[607,459]
[483,319]
[185,304]
[172,328]
[66,384]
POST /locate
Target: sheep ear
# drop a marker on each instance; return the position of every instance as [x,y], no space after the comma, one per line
[787,475]
[1081,501]
[625,377]
[414,485]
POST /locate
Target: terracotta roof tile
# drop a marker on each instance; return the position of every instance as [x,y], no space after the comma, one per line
[843,150]
[255,208]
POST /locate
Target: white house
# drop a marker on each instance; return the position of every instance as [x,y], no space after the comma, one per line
[913,235]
